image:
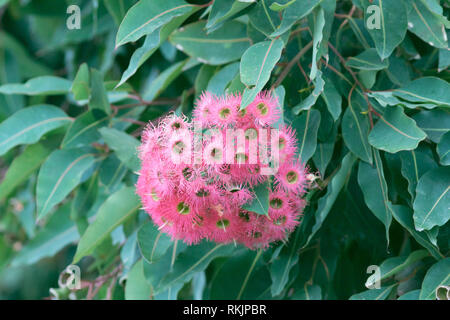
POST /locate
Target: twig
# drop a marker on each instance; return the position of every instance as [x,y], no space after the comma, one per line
[291,63]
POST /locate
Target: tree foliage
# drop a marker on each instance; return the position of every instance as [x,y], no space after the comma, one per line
[366,90]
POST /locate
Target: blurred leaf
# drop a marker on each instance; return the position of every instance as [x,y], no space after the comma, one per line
[147,16]
[84,130]
[117,209]
[443,149]
[59,175]
[80,85]
[45,85]
[55,235]
[221,46]
[99,98]
[136,287]
[374,294]
[260,202]
[124,146]
[28,125]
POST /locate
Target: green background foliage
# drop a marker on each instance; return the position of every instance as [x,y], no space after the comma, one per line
[370,107]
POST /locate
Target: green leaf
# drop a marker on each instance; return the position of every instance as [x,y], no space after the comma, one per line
[59,175]
[443,149]
[136,287]
[435,123]
[84,130]
[374,187]
[99,97]
[152,42]
[260,202]
[307,103]
[28,125]
[25,164]
[411,295]
[404,217]
[45,85]
[249,276]
[334,188]
[218,47]
[309,292]
[80,85]
[166,77]
[395,265]
[117,209]
[368,60]
[194,259]
[280,7]
[332,99]
[256,66]
[55,235]
[427,89]
[437,275]
[355,130]
[395,131]
[431,205]
[393,25]
[374,294]
[152,242]
[307,126]
[124,146]
[219,81]
[263,19]
[295,12]
[426,24]
[222,10]
[414,164]
[319,24]
[146,16]
[283,263]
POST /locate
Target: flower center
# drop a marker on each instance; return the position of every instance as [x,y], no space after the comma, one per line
[222,224]
[263,109]
[183,208]
[276,203]
[187,173]
[281,143]
[292,177]
[244,215]
[178,147]
[280,221]
[154,195]
[202,193]
[224,113]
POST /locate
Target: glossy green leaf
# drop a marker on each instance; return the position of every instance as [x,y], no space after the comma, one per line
[293,13]
[431,205]
[355,130]
[136,287]
[221,10]
[427,89]
[59,175]
[426,24]
[99,97]
[404,216]
[28,125]
[117,209]
[147,16]
[124,145]
[194,259]
[435,123]
[221,46]
[80,86]
[307,125]
[334,188]
[437,275]
[393,25]
[55,235]
[374,294]
[332,99]
[256,66]
[443,149]
[152,242]
[84,130]
[368,60]
[260,202]
[307,103]
[45,85]
[373,184]
[395,131]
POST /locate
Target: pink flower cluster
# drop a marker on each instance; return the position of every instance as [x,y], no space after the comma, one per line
[206,199]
